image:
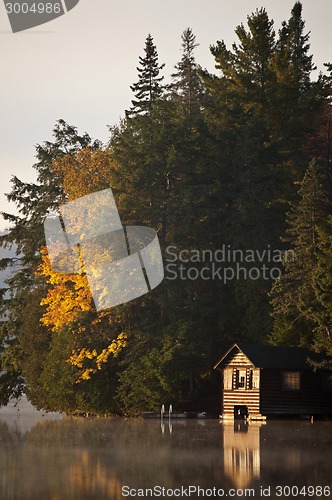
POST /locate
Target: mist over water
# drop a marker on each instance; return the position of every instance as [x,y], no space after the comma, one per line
[48,456]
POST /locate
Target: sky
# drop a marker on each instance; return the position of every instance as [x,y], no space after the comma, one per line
[79,67]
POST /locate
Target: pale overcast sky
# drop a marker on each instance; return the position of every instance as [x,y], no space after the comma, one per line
[79,66]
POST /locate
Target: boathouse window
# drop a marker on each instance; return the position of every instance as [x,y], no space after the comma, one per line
[241,376]
[291,381]
[228,379]
[254,379]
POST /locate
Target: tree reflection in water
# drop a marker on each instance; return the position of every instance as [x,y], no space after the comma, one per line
[81,458]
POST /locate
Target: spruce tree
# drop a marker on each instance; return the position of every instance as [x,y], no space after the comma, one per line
[148,88]
[187,85]
[322,286]
[297,295]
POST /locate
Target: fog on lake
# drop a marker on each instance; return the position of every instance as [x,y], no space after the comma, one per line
[50,456]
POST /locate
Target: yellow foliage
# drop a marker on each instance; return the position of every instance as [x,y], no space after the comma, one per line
[78,357]
[66,299]
[69,295]
[87,171]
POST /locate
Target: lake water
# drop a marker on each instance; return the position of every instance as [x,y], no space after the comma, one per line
[51,457]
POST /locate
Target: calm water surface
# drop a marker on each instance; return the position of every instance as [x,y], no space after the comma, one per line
[59,458]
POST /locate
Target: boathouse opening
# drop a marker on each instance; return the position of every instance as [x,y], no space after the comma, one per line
[241,412]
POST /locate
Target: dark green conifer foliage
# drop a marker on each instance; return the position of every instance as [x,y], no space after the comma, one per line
[261,121]
[245,159]
[164,171]
[252,57]
[298,296]
[187,86]
[148,88]
[21,304]
[322,286]
[294,44]
[297,99]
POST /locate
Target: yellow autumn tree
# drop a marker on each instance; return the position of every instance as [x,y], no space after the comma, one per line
[68,296]
[89,170]
[68,303]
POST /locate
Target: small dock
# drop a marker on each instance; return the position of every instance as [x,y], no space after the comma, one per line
[170,414]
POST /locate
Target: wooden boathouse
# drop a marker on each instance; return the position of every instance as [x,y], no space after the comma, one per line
[259,381]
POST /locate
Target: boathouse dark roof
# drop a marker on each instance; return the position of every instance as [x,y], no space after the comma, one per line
[278,357]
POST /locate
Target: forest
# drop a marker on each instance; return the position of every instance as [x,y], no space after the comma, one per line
[232,169]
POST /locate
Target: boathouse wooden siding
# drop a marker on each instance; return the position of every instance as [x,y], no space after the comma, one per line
[262,390]
[312,399]
[238,361]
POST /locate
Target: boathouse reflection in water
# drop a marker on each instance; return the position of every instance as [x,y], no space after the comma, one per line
[76,458]
[241,444]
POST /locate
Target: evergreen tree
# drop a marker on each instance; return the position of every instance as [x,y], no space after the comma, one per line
[322,286]
[252,56]
[163,169]
[258,113]
[236,115]
[245,166]
[25,288]
[297,104]
[298,296]
[294,45]
[187,85]
[148,88]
